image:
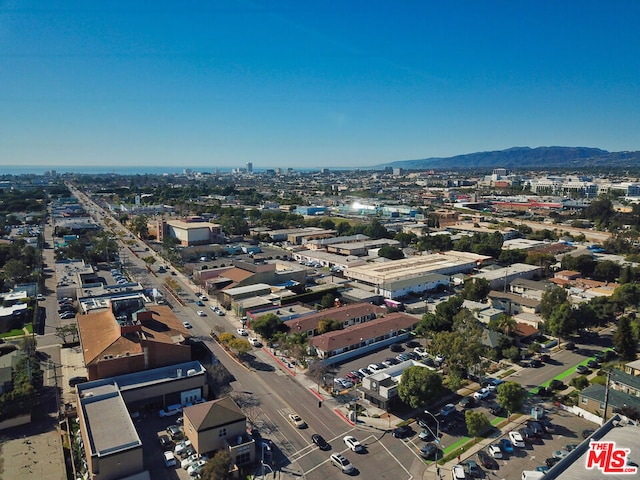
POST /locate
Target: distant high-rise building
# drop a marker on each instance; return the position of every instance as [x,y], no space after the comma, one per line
[249,167]
[324,171]
[397,171]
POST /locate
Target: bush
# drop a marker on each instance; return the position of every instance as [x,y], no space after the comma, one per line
[580,382]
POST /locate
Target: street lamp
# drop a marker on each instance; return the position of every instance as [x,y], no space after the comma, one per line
[437,435]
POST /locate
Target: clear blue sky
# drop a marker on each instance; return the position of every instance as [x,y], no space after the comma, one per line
[303,83]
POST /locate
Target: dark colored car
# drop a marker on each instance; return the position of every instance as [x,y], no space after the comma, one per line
[412,344]
[396,347]
[73,381]
[556,385]
[428,450]
[485,460]
[467,402]
[537,429]
[551,461]
[545,357]
[472,469]
[402,431]
[497,410]
[587,433]
[165,442]
[535,363]
[593,364]
[527,434]
[570,346]
[582,369]
[547,425]
[320,441]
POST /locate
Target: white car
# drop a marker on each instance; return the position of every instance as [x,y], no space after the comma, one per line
[169,459]
[494,451]
[190,460]
[342,463]
[187,325]
[201,313]
[195,468]
[295,419]
[353,444]
[242,332]
[482,394]
[458,473]
[181,447]
[516,439]
[255,342]
[421,351]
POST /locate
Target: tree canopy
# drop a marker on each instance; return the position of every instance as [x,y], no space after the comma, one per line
[419,386]
[511,396]
[267,326]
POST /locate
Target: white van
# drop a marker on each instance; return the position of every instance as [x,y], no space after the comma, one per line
[171,410]
[532,475]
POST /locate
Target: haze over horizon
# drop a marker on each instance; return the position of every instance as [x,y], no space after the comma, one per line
[308,84]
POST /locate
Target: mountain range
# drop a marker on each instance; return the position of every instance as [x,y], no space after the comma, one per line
[528,158]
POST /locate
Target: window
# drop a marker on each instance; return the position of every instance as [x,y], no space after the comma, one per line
[222,432]
[584,400]
[243,458]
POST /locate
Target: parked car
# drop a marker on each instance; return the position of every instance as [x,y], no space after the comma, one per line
[402,431]
[425,435]
[428,450]
[547,425]
[396,347]
[505,445]
[320,441]
[582,369]
[560,454]
[200,303]
[242,332]
[353,444]
[196,467]
[295,419]
[165,442]
[517,439]
[182,447]
[570,346]
[467,402]
[472,469]
[187,325]
[448,409]
[169,459]
[537,429]
[458,473]
[340,461]
[497,410]
[494,450]
[255,342]
[527,434]
[482,393]
[551,461]
[593,364]
[174,431]
[73,381]
[556,384]
[190,460]
[485,460]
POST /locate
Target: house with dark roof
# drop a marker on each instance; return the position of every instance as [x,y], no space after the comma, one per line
[512,303]
[220,425]
[592,399]
[146,338]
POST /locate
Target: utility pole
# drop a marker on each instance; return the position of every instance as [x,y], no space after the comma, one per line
[606,397]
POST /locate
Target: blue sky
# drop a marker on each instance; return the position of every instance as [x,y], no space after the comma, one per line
[206,84]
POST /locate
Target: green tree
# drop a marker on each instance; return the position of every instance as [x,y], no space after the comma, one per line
[511,396]
[140,226]
[328,325]
[419,386]
[267,326]
[477,423]
[218,467]
[552,299]
[476,289]
[624,340]
[390,252]
[579,383]
[503,323]
[328,300]
[562,321]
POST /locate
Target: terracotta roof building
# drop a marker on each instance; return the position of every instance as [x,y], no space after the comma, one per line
[148,338]
[348,315]
[362,335]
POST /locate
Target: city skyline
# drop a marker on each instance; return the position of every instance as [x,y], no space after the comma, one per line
[312,85]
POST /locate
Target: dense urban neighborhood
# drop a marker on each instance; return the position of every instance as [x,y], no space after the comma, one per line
[285,324]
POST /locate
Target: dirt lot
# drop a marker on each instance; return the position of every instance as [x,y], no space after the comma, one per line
[32,451]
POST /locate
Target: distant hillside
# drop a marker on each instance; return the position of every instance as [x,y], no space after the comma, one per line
[525,157]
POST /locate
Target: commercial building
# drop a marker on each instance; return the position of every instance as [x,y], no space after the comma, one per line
[346,316]
[190,232]
[418,274]
[112,445]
